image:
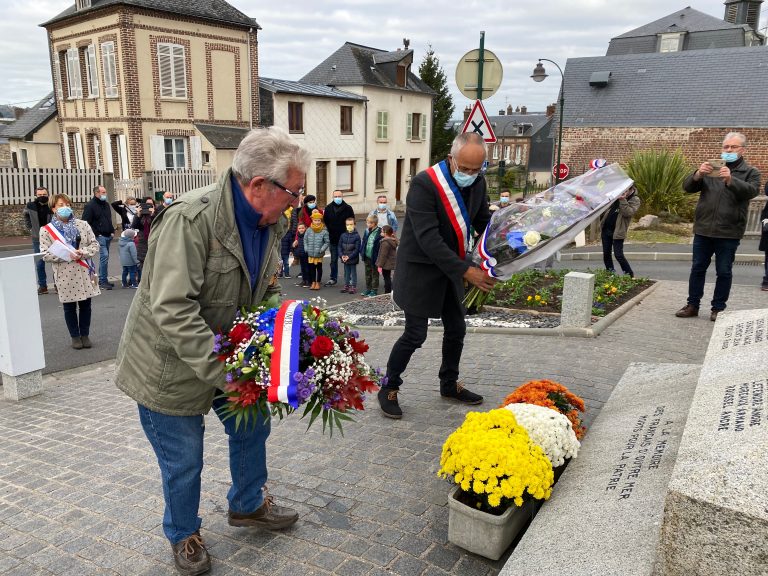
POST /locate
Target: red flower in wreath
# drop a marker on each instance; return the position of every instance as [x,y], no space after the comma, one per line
[358,346]
[240,333]
[321,346]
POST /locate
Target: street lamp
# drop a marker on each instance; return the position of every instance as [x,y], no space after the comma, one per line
[539,74]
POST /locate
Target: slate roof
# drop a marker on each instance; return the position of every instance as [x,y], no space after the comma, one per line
[212,10]
[687,19]
[506,126]
[356,65]
[702,88]
[32,119]
[222,137]
[277,86]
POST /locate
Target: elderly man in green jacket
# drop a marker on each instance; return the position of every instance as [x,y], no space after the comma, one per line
[212,251]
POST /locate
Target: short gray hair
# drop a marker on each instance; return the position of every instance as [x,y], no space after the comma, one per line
[466,138]
[738,135]
[268,152]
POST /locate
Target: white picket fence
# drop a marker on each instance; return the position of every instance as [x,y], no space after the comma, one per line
[180,181]
[17,185]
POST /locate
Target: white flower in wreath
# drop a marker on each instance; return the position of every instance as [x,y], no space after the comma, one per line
[547,213]
[531,238]
[549,429]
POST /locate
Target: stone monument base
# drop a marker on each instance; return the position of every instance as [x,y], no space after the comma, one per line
[23,385]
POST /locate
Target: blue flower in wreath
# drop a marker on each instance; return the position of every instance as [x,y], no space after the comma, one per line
[515,241]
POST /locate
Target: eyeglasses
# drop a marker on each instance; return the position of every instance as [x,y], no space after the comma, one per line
[734,147]
[298,194]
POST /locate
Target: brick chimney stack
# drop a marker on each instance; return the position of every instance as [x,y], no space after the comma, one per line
[551,110]
[509,109]
[467,111]
[523,109]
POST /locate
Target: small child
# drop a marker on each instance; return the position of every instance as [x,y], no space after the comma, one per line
[316,242]
[387,256]
[370,249]
[614,230]
[301,255]
[349,252]
[129,258]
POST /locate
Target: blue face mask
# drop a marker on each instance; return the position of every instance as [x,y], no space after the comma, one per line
[65,212]
[311,205]
[337,201]
[103,197]
[504,199]
[382,206]
[464,180]
[730,156]
[168,201]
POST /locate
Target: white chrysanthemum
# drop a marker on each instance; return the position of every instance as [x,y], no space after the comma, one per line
[531,238]
[549,429]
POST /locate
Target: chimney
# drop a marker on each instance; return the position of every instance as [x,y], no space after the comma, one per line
[743,12]
[18,112]
[523,109]
[501,112]
[517,110]
[509,109]
[467,111]
[551,110]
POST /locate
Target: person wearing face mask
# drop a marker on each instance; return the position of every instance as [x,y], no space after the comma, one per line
[37,214]
[444,202]
[719,221]
[335,218]
[75,278]
[167,201]
[503,202]
[308,205]
[384,214]
[99,217]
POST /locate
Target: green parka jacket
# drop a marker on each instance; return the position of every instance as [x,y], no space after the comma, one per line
[195,280]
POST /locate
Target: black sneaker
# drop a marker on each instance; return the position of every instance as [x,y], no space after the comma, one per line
[389,404]
[106,286]
[456,391]
[190,556]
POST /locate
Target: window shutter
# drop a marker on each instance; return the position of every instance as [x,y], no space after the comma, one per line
[166,70]
[93,74]
[386,125]
[122,149]
[108,154]
[110,71]
[423,126]
[65,143]
[409,126]
[157,152]
[79,152]
[179,72]
[73,74]
[195,153]
[57,75]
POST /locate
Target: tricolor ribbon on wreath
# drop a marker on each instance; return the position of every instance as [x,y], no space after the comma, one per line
[285,358]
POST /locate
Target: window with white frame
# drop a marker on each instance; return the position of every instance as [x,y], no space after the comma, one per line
[382,125]
[175,153]
[344,171]
[670,42]
[518,154]
[171,62]
[506,153]
[496,152]
[82,4]
[416,126]
[110,69]
[91,71]
[75,88]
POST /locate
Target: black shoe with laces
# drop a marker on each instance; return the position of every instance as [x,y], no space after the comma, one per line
[190,556]
[388,402]
[456,391]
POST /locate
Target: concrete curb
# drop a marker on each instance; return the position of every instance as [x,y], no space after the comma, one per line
[588,332]
[653,256]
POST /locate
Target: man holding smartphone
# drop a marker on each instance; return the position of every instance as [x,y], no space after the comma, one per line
[720,221]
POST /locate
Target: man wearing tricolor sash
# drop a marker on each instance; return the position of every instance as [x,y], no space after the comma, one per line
[444,204]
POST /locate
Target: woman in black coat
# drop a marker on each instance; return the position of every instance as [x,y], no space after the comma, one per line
[764,241]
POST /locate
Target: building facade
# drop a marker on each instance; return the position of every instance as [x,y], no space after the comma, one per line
[33,139]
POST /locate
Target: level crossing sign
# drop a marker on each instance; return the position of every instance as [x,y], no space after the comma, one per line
[478,122]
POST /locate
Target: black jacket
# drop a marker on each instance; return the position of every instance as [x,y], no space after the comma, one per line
[335,218]
[429,268]
[350,245]
[722,210]
[98,214]
[763,216]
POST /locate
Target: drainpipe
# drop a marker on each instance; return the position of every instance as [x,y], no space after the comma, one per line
[365,155]
[250,80]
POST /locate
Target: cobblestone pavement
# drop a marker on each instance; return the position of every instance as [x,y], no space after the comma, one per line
[80,491]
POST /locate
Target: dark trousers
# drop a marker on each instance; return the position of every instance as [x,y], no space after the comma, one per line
[315,273]
[765,272]
[414,335]
[724,250]
[42,279]
[617,246]
[304,269]
[130,275]
[387,274]
[78,326]
[334,261]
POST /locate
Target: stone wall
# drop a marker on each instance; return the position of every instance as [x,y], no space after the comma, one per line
[5,156]
[12,219]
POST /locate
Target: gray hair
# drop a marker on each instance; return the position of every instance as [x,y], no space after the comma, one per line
[738,135]
[466,138]
[268,152]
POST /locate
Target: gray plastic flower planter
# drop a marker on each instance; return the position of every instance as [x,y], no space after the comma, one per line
[482,533]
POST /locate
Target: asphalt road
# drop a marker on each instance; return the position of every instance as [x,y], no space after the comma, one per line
[110,309]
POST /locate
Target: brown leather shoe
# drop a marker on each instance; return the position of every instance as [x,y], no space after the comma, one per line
[190,556]
[77,343]
[687,311]
[86,342]
[269,515]
[42,290]
[713,315]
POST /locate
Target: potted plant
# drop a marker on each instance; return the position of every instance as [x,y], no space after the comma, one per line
[498,471]
[551,395]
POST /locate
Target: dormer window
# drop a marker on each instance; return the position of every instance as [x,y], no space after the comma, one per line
[82,4]
[671,42]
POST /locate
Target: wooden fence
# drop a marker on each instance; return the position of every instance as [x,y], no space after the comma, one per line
[180,181]
[17,185]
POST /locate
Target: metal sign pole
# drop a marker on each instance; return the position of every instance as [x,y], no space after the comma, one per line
[480,67]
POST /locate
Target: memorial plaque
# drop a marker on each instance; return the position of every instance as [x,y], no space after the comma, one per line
[605,513]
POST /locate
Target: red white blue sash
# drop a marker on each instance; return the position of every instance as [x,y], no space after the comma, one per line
[488,262]
[56,236]
[452,202]
[285,358]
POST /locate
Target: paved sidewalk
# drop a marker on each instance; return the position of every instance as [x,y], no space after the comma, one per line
[80,491]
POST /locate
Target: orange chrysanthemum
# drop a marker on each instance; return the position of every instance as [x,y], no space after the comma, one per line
[550,395]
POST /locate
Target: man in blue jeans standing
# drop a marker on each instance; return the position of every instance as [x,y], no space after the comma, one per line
[720,221]
[99,215]
[36,215]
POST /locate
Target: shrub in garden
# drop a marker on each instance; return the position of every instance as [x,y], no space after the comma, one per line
[659,176]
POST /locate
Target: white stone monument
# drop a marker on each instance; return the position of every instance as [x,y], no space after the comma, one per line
[21,337]
[576,308]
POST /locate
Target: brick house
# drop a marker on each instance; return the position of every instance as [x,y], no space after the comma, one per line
[688,98]
[133,78]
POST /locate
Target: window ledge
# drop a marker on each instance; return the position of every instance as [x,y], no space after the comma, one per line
[173,99]
[383,140]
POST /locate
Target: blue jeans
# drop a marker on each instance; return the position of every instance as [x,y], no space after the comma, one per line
[350,275]
[104,243]
[724,250]
[130,275]
[334,261]
[42,279]
[78,325]
[178,445]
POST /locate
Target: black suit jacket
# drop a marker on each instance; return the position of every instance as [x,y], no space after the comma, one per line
[429,268]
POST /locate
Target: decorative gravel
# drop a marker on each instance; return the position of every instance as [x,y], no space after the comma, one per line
[382,311]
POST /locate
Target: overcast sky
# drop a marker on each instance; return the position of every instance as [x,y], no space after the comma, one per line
[298,34]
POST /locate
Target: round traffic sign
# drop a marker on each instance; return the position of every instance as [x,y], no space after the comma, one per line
[466,73]
[562,169]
